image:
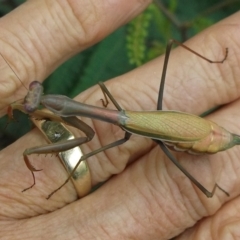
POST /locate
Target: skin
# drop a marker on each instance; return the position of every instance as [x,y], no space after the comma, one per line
[149,198]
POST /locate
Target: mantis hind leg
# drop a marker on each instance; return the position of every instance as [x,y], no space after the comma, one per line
[200,186]
[111,145]
[159,107]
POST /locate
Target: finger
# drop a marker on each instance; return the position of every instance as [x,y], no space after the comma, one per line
[222,225]
[38,36]
[192,84]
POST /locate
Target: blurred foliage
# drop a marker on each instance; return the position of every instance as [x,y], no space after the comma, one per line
[137,32]
[131,45]
[149,32]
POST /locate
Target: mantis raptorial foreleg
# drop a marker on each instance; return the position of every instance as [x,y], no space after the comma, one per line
[60,146]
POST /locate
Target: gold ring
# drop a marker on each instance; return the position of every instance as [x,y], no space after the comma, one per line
[56,132]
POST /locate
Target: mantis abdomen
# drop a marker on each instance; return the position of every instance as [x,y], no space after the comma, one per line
[182,131]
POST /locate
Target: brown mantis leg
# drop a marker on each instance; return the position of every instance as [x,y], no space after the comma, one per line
[159,107]
[60,146]
[111,145]
[106,94]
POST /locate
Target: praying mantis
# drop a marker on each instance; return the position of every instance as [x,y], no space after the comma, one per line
[182,131]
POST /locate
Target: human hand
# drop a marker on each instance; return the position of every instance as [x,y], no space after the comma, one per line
[145,201]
